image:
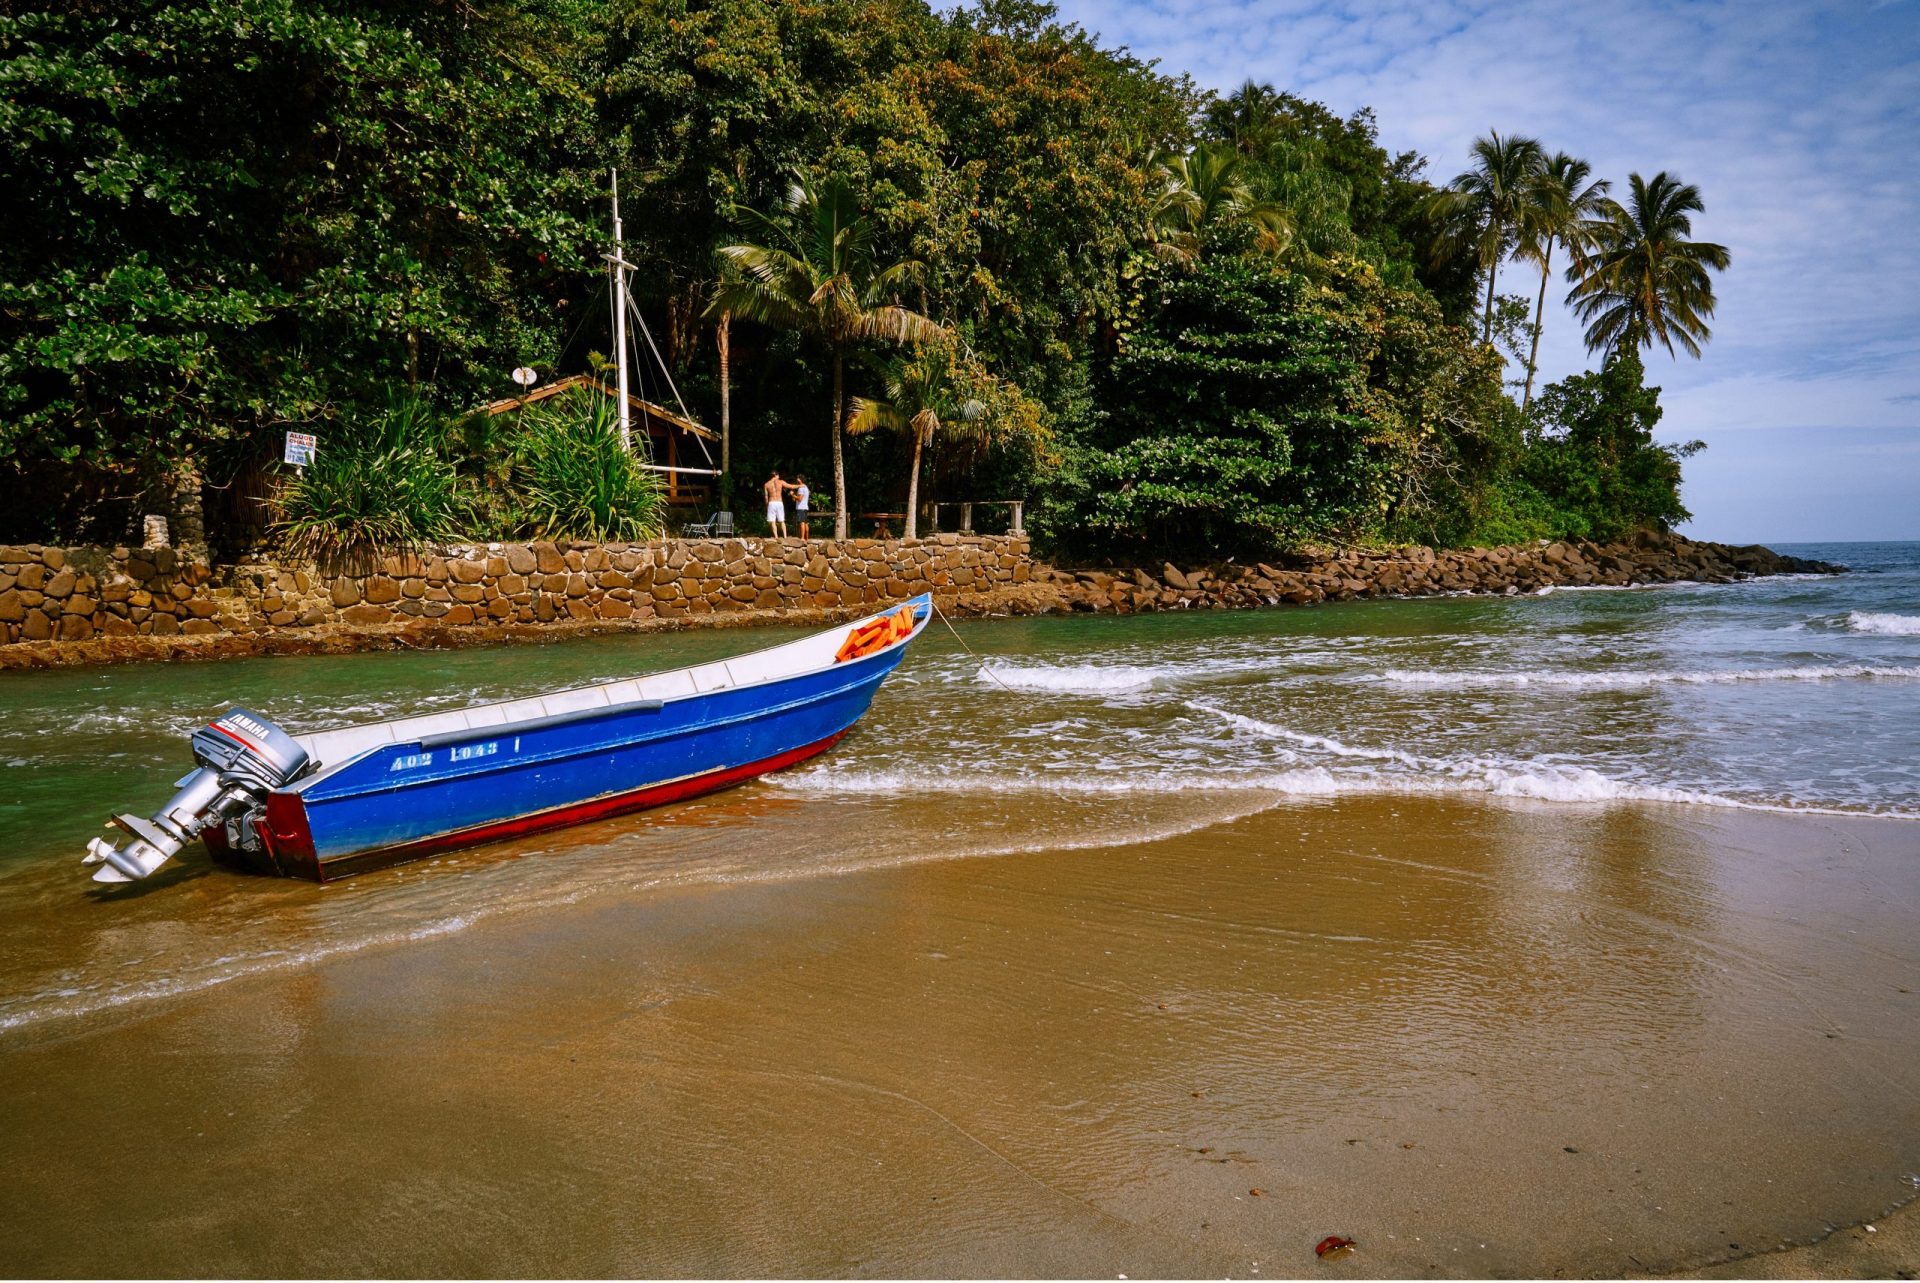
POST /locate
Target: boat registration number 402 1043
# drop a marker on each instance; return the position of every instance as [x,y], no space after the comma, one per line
[458,753]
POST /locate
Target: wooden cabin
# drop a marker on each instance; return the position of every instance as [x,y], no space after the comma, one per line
[673,442]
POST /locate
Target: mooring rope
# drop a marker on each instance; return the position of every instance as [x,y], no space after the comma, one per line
[935,603]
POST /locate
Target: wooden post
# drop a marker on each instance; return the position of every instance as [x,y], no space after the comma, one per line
[1017,505]
[673,461]
[723,335]
[966,518]
[933,518]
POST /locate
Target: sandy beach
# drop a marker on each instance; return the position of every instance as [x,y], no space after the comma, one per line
[1482,1038]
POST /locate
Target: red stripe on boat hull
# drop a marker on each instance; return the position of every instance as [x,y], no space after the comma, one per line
[327,869]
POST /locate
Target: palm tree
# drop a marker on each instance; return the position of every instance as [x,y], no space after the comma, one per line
[1645,279]
[1207,190]
[1249,118]
[816,274]
[1480,210]
[924,400]
[1561,208]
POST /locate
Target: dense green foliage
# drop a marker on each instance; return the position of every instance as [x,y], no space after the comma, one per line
[1237,412]
[1590,465]
[1194,323]
[573,478]
[227,215]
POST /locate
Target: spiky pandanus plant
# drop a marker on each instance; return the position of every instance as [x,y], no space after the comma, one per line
[1646,279]
[924,400]
[379,483]
[1479,212]
[814,272]
[576,479]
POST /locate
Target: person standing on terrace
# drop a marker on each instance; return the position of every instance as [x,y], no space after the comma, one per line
[776,491]
[802,497]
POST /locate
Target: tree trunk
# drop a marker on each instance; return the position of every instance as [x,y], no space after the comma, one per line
[1539,319]
[839,458]
[913,489]
[1486,327]
[721,335]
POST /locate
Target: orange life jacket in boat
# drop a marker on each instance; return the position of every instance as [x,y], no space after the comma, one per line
[876,634]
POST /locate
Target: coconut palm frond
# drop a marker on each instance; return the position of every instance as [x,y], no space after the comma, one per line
[897,325]
[1644,280]
[869,414]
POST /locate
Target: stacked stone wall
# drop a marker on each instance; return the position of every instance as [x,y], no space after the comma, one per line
[75,594]
[60,594]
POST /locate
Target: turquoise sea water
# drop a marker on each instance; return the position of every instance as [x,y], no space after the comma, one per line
[1797,693]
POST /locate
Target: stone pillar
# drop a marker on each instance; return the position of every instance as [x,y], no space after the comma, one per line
[188,514]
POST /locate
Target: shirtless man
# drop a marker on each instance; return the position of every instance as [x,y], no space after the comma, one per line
[776,493]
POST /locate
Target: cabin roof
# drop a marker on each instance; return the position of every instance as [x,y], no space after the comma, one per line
[646,408]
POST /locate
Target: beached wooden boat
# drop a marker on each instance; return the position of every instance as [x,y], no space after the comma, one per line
[338,802]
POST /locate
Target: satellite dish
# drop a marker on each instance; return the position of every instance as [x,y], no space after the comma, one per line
[525,377]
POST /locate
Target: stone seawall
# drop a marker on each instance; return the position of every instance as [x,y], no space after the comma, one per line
[77,595]
[80,606]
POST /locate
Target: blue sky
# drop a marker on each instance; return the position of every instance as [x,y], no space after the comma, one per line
[1800,124]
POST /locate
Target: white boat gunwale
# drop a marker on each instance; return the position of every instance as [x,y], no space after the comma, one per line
[360,738]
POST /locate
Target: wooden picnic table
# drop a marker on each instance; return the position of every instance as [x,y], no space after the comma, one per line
[881,530]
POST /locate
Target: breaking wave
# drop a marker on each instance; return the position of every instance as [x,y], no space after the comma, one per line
[1534,782]
[1632,680]
[1884,624]
[1074,679]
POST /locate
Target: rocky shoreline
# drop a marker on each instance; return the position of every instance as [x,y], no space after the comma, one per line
[1034,588]
[1309,578]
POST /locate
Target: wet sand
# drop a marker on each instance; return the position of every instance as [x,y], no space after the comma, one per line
[1482,1038]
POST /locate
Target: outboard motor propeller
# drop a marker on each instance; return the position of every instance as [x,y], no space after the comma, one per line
[243,757]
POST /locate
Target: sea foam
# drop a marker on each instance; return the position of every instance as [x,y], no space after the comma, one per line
[1883,623]
[1073,679]
[1638,679]
[1109,678]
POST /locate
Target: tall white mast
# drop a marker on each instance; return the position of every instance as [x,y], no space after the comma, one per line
[620,318]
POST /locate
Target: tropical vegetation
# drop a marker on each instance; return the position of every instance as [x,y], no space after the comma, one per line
[992,257]
[406,476]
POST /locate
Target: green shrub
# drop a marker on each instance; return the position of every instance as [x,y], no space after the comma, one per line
[376,484]
[1590,452]
[572,477]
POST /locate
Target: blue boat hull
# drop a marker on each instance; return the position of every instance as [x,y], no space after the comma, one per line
[404,801]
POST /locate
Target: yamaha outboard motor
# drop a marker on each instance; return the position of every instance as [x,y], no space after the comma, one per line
[243,757]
